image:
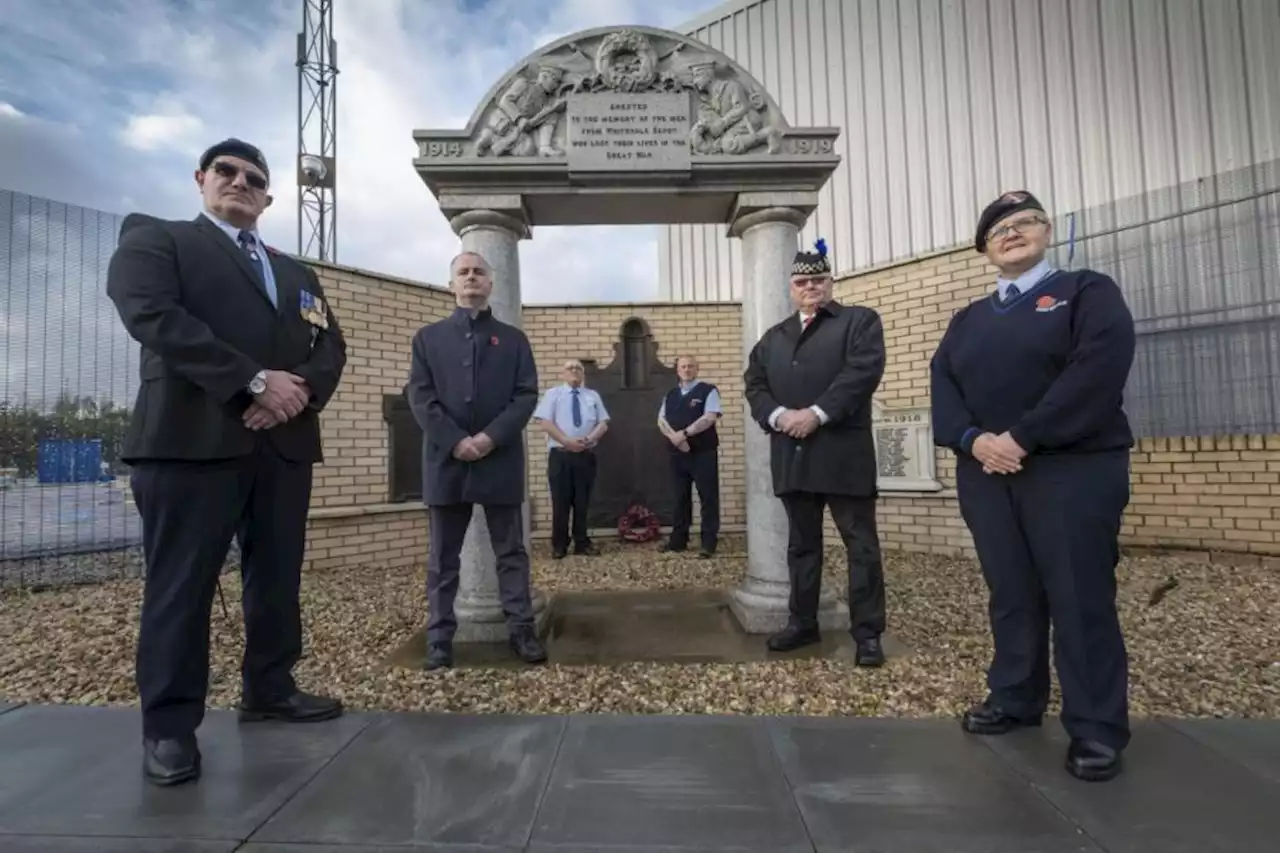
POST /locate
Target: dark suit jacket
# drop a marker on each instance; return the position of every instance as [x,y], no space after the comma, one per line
[191,297]
[468,377]
[837,365]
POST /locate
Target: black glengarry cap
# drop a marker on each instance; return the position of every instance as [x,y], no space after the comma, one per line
[812,263]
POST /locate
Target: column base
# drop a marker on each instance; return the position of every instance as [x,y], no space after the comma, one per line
[481,620]
[763,608]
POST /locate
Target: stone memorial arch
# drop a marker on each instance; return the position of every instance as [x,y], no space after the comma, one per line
[635,126]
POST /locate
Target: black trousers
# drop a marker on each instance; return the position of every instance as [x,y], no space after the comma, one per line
[701,468]
[571,475]
[189,512]
[855,518]
[448,529]
[1048,541]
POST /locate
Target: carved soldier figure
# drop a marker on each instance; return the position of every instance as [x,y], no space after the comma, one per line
[729,118]
[527,108]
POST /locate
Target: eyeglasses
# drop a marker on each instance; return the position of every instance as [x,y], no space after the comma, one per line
[229,171]
[1019,226]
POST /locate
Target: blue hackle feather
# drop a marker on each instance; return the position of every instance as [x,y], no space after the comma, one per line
[821,246]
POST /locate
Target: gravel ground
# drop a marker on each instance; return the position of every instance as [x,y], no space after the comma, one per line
[1210,647]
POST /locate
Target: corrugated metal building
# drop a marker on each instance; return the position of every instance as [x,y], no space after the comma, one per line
[943,104]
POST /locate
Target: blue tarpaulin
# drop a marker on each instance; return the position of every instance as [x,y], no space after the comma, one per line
[69,460]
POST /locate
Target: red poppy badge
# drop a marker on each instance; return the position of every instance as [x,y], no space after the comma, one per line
[493,341]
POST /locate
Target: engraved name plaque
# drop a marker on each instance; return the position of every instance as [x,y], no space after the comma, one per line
[622,132]
[904,450]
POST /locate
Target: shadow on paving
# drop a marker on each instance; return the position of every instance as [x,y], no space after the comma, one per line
[70,781]
[655,626]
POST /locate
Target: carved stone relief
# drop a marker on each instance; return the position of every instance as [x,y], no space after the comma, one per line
[730,114]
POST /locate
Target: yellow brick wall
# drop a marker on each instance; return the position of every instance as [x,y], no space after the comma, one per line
[1219,494]
[713,333]
[351,522]
[1210,493]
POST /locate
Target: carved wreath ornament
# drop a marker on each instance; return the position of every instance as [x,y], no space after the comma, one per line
[627,61]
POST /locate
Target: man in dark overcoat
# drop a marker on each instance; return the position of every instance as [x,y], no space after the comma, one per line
[473,386]
[240,353]
[809,382]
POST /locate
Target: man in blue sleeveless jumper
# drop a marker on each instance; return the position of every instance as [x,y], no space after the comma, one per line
[809,382]
[1027,390]
[688,419]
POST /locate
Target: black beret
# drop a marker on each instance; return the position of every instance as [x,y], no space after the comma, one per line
[812,263]
[1010,202]
[235,148]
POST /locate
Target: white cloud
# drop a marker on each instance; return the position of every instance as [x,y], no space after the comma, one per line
[153,132]
[8,110]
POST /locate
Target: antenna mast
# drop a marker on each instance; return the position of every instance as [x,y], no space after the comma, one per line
[317,132]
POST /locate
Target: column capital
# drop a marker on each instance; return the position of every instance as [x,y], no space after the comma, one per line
[494,212]
[751,209]
[492,220]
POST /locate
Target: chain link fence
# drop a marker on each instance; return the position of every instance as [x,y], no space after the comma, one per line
[1199,265]
[68,381]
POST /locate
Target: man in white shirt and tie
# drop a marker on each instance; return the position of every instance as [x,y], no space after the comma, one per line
[574,419]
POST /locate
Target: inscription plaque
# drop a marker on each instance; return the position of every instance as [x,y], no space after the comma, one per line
[621,132]
[904,450]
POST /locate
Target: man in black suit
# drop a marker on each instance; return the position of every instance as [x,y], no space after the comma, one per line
[809,382]
[473,386]
[240,352]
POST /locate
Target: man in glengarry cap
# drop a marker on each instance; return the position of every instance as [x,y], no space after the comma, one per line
[809,383]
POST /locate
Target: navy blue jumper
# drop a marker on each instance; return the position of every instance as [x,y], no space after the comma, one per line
[1049,366]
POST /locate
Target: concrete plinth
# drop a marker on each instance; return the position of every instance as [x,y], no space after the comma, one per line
[769,238]
[494,235]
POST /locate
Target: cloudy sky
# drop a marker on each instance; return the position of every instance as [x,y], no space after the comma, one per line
[108,103]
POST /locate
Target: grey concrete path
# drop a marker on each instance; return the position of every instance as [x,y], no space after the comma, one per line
[70,781]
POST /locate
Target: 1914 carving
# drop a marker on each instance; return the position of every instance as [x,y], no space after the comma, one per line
[731,115]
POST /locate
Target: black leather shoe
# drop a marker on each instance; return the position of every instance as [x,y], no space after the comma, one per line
[1092,761]
[439,656]
[527,647]
[870,652]
[706,553]
[668,548]
[988,719]
[588,550]
[558,555]
[170,761]
[298,708]
[791,638]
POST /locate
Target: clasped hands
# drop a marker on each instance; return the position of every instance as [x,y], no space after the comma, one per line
[798,423]
[285,397]
[999,454]
[473,447]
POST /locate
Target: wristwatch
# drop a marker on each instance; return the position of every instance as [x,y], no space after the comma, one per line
[258,383]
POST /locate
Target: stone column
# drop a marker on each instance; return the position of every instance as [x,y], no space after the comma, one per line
[769,242]
[495,236]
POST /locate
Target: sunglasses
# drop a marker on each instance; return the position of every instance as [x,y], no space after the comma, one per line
[229,171]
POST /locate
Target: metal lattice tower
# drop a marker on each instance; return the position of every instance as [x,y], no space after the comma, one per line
[317,132]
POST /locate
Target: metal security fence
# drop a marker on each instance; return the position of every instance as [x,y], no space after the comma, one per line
[1199,265]
[68,379]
